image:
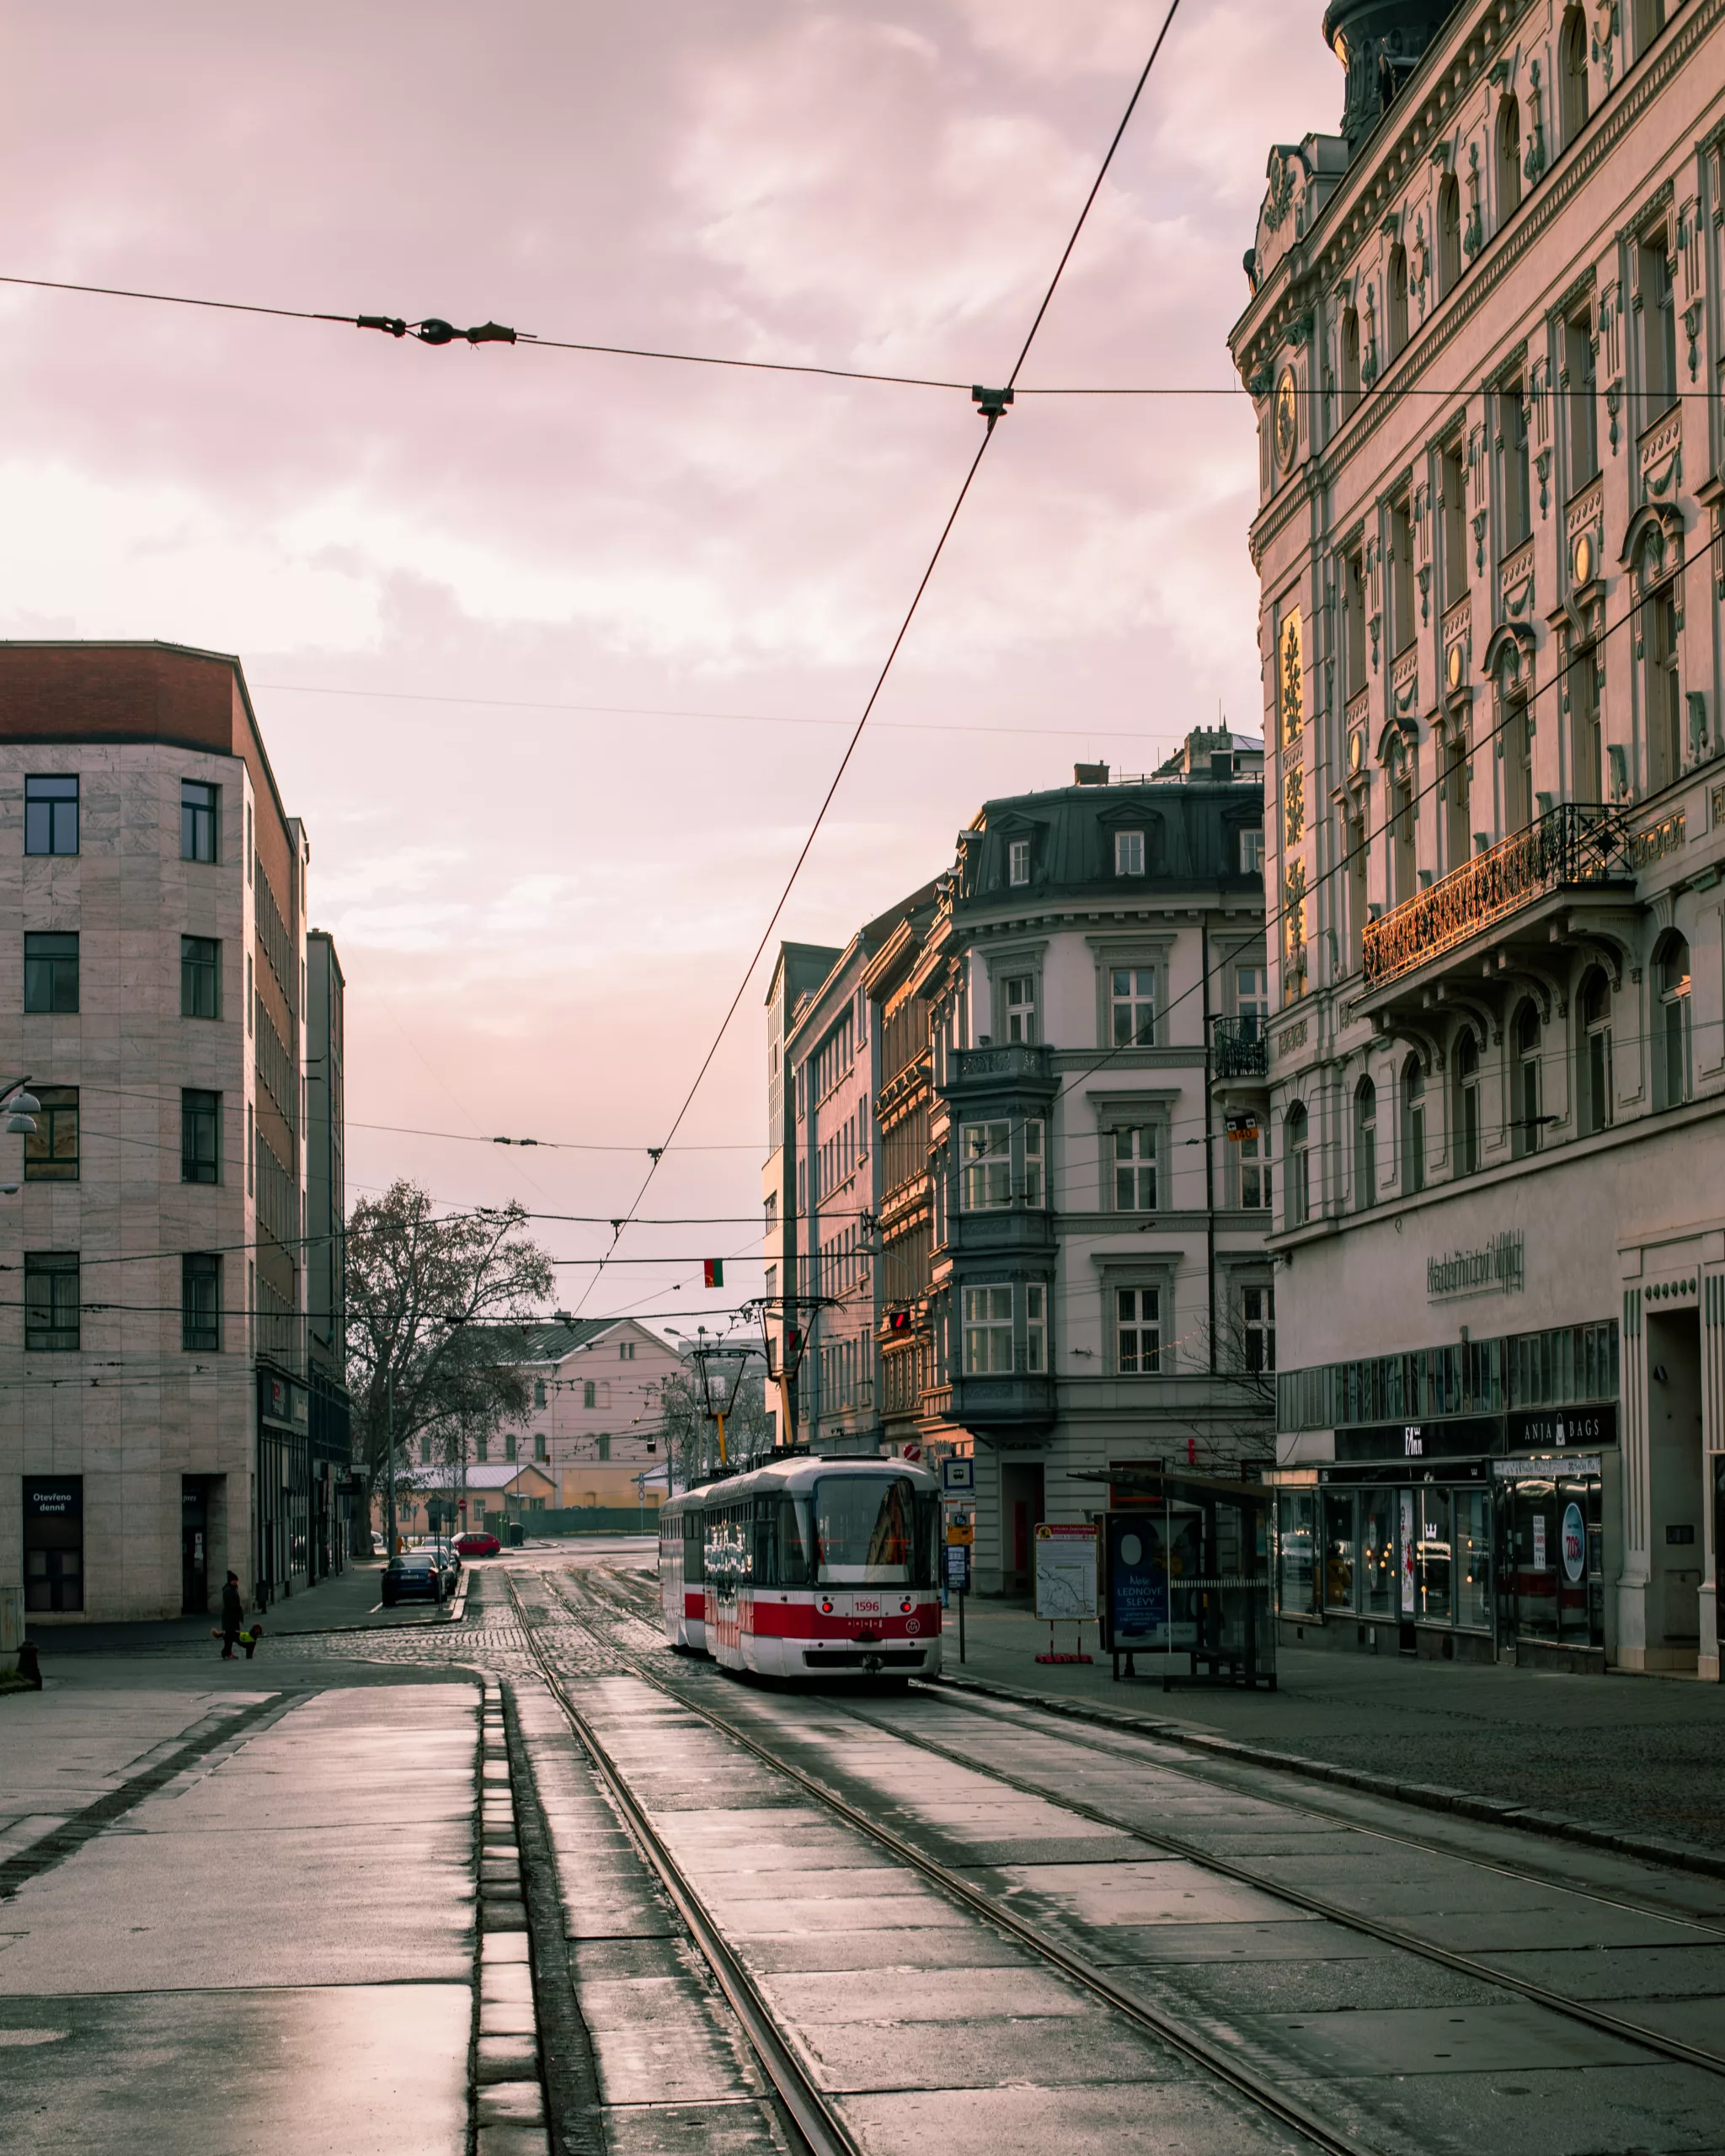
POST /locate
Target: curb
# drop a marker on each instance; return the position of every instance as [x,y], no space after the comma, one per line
[1428,1796]
[508,2092]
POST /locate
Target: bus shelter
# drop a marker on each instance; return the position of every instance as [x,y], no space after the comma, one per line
[1186,1572]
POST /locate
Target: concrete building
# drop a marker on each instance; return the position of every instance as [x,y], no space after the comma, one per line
[797,972]
[1041,1246]
[155,1418]
[1484,338]
[326,1240]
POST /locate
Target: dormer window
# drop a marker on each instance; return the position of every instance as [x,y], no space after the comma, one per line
[1128,853]
[1019,861]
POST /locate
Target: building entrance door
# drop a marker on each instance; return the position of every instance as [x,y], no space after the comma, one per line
[193,1546]
[1677,1494]
[1021,1508]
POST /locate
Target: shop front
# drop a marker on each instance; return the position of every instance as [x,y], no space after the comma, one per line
[283,1494]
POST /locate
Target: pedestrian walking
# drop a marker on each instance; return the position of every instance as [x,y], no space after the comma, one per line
[234,1616]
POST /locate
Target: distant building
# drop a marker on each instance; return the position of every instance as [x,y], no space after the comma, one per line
[326,1213]
[1484,339]
[155,1419]
[799,970]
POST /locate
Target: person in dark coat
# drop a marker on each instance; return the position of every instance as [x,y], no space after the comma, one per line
[234,1616]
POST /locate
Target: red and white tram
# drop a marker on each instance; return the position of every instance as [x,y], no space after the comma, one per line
[807,1567]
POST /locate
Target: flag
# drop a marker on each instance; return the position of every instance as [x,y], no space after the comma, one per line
[713,1272]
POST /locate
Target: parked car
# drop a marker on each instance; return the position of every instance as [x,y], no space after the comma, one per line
[418,1575]
[476,1543]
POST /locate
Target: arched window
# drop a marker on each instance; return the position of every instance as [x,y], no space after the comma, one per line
[1395,301]
[1296,1156]
[1404,881]
[1449,236]
[1413,1126]
[1365,1145]
[1509,159]
[1350,361]
[1525,1085]
[1671,1026]
[1571,75]
[1595,1052]
[1467,1106]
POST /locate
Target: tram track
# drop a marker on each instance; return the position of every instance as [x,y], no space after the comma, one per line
[1165,1843]
[812,2114]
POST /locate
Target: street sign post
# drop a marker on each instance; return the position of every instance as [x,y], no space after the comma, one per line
[958,1575]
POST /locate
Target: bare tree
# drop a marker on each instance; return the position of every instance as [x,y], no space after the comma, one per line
[425,1295]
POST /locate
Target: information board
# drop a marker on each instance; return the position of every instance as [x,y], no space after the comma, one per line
[959,1567]
[1066,1572]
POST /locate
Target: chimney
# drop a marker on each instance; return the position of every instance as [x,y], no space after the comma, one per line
[1090,774]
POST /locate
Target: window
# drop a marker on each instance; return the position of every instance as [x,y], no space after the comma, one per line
[1354,857]
[482,1451]
[1413,1126]
[1449,236]
[1138,1332]
[1571,75]
[1457,804]
[1128,853]
[603,1444]
[1035,1327]
[1524,1083]
[1395,301]
[1132,998]
[1455,508]
[51,973]
[1018,997]
[50,1301]
[1517,496]
[1035,1182]
[1252,851]
[1659,644]
[1350,361]
[198,835]
[50,1150]
[538,1392]
[625,1351]
[539,1450]
[1019,861]
[199,977]
[1467,1106]
[1297,1160]
[424,1452]
[1518,764]
[1354,611]
[988,1331]
[1509,157]
[1649,16]
[1403,858]
[1257,1315]
[1587,749]
[201,1304]
[1402,585]
[1365,1145]
[1134,1171]
[1658,312]
[510,1446]
[1595,1054]
[199,1136]
[1671,1038]
[1252,999]
[987,1153]
[1255,1191]
[590,1393]
[50,815]
[1581,400]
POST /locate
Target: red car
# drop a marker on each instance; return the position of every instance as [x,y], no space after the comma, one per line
[478,1543]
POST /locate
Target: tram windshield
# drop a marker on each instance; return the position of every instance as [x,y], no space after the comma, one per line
[865,1530]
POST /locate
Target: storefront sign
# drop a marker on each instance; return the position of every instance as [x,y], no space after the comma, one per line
[1538,1426]
[48,1497]
[1497,1267]
[1530,1468]
[1574,1543]
[281,1401]
[1458,1437]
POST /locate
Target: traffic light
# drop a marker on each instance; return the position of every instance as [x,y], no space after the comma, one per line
[713,1272]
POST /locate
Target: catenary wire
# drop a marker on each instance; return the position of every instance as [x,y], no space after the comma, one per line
[909,615]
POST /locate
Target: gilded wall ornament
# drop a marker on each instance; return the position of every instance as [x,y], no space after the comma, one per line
[1290,677]
[1287,419]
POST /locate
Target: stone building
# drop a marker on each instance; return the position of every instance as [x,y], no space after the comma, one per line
[155,1417]
[1061,1266]
[1484,339]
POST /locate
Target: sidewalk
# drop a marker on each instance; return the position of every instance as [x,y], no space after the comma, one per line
[273,1951]
[1645,1755]
[344,1599]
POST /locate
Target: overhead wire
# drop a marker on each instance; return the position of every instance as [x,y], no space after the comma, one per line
[1004,395]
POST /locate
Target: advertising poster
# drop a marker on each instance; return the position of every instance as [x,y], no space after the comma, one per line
[1539,1542]
[1574,1544]
[1066,1572]
[1147,1605]
[1405,1551]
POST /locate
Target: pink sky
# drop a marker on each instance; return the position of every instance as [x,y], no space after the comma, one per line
[543,913]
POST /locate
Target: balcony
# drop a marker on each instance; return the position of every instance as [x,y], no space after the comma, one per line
[1240,1048]
[1574,848]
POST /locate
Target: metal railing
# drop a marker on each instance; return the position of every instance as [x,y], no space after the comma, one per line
[1240,1048]
[1573,845]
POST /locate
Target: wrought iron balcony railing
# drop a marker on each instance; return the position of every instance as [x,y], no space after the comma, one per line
[1573,845]
[1240,1048]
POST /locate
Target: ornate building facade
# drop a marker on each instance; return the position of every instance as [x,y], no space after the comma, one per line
[1484,341]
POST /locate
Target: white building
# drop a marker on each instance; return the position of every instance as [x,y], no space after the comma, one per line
[1484,335]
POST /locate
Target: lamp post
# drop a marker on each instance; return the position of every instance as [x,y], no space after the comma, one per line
[722,1370]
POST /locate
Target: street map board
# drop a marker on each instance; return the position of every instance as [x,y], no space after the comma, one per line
[1066,1572]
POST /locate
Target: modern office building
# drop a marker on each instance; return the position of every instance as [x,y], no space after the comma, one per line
[156,1423]
[1484,338]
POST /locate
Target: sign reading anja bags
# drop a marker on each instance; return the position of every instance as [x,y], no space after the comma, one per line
[1498,1268]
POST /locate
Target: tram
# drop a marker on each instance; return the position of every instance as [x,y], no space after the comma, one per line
[807,1567]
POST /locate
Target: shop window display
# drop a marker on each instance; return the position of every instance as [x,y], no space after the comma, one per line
[1377,1552]
[1433,1563]
[1338,1550]
[1295,1552]
[1473,1560]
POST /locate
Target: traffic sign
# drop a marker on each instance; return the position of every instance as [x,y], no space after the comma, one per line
[957,1475]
